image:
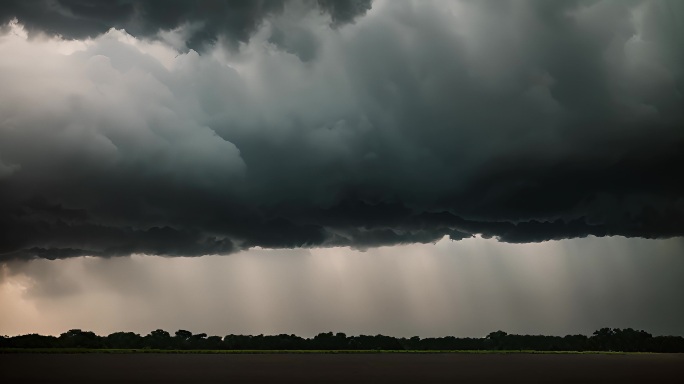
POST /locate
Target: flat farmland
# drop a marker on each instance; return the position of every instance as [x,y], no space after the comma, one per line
[341,368]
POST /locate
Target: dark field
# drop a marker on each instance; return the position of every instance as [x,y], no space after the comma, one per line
[341,368]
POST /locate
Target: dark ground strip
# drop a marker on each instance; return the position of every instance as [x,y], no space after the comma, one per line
[326,368]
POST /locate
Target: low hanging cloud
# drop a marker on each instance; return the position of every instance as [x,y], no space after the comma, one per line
[337,124]
[204,20]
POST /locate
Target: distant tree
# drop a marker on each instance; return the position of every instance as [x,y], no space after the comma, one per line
[413,343]
[182,339]
[630,340]
[497,339]
[604,339]
[75,338]
[124,340]
[158,339]
[327,340]
[198,341]
[213,342]
[183,334]
[236,341]
[33,340]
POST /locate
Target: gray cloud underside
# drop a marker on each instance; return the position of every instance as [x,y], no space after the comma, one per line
[525,121]
[235,19]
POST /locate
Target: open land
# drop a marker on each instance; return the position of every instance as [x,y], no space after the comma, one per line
[340,368]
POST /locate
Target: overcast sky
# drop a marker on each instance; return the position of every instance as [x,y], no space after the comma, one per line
[399,167]
[466,288]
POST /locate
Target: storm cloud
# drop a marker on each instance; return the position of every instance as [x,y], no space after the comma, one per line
[203,21]
[336,124]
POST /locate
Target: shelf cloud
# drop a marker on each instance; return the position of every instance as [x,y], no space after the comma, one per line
[192,128]
[206,19]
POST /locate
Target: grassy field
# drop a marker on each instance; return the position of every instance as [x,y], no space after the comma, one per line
[303,351]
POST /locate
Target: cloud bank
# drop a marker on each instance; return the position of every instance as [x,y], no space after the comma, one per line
[203,20]
[336,124]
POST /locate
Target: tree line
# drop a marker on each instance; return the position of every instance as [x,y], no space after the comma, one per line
[605,339]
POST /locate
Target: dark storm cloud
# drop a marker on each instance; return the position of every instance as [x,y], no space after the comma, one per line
[525,121]
[208,19]
[343,12]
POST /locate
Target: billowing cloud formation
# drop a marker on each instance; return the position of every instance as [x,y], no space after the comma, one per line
[525,121]
[204,20]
